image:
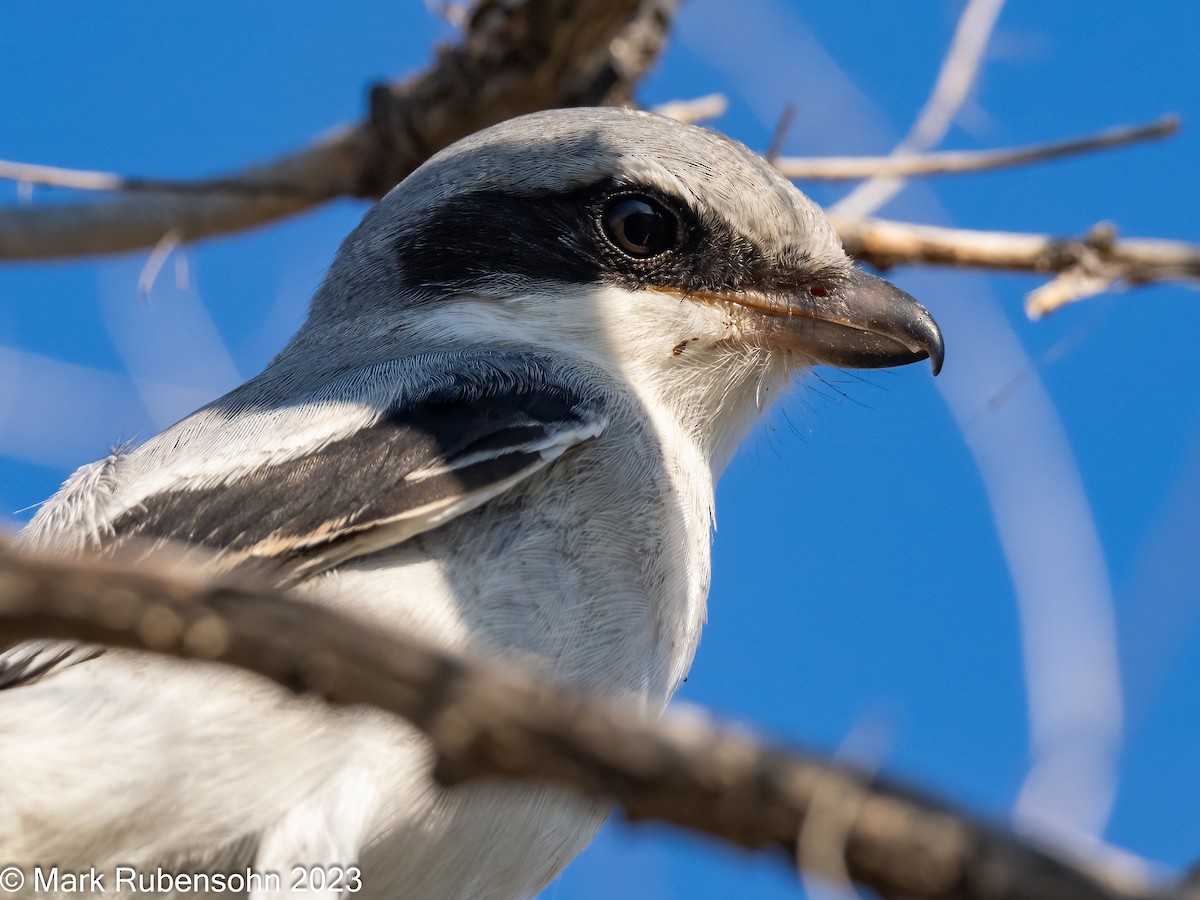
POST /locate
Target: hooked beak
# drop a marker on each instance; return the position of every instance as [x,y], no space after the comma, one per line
[868,323]
[863,322]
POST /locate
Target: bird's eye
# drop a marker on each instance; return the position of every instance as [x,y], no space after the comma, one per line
[640,226]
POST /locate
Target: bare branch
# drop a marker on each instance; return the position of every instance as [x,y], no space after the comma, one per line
[700,109]
[484,721]
[1098,255]
[957,76]
[1070,286]
[849,168]
[330,168]
[779,135]
[88,180]
[77,179]
[513,58]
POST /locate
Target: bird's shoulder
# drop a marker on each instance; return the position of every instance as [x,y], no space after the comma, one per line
[304,478]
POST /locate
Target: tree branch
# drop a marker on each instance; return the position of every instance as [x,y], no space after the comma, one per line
[514,58]
[330,168]
[698,109]
[959,162]
[485,721]
[1098,258]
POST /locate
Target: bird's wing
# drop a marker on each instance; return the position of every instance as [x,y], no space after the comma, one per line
[294,488]
[412,462]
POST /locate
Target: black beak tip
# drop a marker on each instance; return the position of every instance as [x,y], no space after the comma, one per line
[936,348]
[922,333]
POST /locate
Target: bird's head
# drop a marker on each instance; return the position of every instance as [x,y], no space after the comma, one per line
[666,252]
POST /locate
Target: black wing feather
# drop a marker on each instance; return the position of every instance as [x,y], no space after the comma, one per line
[446,448]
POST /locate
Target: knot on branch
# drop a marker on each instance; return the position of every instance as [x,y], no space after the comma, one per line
[1085,267]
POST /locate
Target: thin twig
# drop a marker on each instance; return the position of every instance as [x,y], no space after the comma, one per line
[779,136]
[80,179]
[699,109]
[87,180]
[959,162]
[957,76]
[486,721]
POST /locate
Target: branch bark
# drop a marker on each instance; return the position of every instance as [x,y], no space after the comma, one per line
[330,168]
[485,721]
[1095,257]
[513,58]
[961,162]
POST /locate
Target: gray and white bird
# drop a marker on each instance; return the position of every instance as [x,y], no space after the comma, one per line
[499,428]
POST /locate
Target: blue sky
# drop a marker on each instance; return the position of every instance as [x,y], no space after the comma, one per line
[889,547]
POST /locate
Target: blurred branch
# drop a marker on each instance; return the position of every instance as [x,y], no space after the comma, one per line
[484,721]
[699,109]
[513,58]
[848,168]
[1087,265]
[330,168]
[782,126]
[957,76]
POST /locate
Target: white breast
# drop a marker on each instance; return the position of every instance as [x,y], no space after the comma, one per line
[592,573]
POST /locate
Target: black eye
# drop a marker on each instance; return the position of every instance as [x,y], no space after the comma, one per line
[640,226]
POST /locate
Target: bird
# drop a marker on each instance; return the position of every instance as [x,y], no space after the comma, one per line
[498,429]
